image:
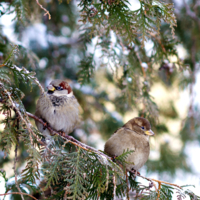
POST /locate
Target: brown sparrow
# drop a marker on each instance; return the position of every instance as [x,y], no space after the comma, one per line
[134,135]
[58,107]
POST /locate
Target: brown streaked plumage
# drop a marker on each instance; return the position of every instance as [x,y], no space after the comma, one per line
[58,107]
[134,135]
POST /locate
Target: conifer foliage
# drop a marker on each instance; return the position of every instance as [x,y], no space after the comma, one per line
[69,168]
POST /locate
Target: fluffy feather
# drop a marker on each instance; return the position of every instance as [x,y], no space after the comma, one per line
[58,107]
[132,136]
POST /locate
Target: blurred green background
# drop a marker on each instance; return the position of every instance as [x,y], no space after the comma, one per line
[61,48]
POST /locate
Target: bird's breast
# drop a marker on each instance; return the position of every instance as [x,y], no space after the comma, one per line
[63,115]
[125,139]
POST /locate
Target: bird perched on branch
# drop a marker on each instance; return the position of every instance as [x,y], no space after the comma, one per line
[134,135]
[58,107]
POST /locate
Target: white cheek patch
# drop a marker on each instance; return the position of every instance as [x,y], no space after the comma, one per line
[62,93]
[70,94]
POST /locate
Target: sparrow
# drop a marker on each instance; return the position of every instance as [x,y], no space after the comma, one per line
[134,135]
[58,107]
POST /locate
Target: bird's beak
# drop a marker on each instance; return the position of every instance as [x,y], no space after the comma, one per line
[149,132]
[51,88]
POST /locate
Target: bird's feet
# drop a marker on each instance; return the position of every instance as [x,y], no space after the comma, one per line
[43,140]
[134,172]
[45,125]
[62,133]
[113,158]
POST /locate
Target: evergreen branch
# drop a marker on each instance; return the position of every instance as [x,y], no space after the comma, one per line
[53,177]
[140,61]
[70,139]
[21,193]
[122,158]
[16,109]
[91,149]
[26,74]
[86,69]
[35,136]
[12,52]
[160,182]
[15,172]
[159,41]
[76,189]
[46,11]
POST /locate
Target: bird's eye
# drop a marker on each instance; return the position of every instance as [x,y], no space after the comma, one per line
[142,127]
[59,88]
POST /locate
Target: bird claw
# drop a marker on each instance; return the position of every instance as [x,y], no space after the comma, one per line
[134,172]
[45,125]
[113,158]
[43,140]
[62,133]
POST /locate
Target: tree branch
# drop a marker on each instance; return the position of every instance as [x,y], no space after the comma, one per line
[75,142]
[21,193]
[189,12]
[46,11]
[15,172]
[192,14]
[70,139]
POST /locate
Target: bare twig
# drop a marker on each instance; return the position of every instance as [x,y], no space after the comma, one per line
[192,14]
[2,65]
[114,189]
[46,11]
[159,187]
[158,40]
[143,70]
[158,181]
[21,193]
[127,192]
[148,179]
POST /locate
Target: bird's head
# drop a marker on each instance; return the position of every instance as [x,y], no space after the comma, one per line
[140,125]
[59,88]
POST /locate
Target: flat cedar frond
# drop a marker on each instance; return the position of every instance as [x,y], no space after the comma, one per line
[5,76]
[86,69]
[52,172]
[166,191]
[77,188]
[21,10]
[31,171]
[124,155]
[8,139]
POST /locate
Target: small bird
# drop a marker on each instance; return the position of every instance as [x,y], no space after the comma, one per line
[58,107]
[134,135]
